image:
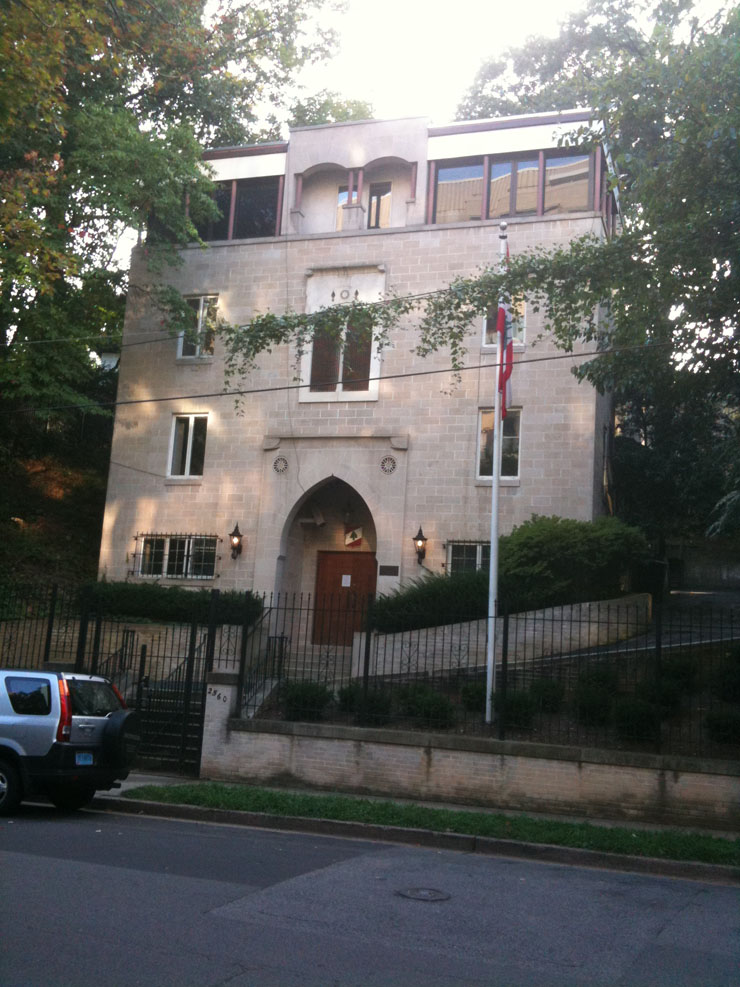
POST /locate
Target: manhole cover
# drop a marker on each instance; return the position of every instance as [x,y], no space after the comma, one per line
[424,894]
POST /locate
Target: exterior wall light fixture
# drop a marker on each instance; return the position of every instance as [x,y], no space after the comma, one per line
[235,537]
[420,544]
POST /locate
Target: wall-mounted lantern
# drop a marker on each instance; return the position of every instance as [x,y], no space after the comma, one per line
[235,537]
[420,544]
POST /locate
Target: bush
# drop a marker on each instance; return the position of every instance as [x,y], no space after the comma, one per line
[516,709]
[547,694]
[593,702]
[373,709]
[305,700]
[473,697]
[636,719]
[150,601]
[428,707]
[664,693]
[723,726]
[547,561]
[726,680]
[683,670]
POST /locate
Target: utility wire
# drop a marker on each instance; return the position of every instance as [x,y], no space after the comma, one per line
[242,392]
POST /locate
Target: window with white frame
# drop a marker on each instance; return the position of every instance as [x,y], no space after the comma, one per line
[518,324]
[509,447]
[176,556]
[198,340]
[188,445]
[467,556]
[344,364]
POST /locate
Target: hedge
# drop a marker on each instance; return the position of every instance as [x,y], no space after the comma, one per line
[150,601]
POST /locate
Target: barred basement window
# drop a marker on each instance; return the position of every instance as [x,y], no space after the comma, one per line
[466,556]
[175,556]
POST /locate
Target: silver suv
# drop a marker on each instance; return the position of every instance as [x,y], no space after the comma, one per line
[62,735]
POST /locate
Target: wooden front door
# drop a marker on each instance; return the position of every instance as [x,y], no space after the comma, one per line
[344,581]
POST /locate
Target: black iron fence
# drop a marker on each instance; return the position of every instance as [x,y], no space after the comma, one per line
[614,675]
[618,674]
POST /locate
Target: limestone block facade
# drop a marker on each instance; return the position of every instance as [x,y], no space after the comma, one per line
[337,457]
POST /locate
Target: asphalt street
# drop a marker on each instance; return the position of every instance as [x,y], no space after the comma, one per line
[101,898]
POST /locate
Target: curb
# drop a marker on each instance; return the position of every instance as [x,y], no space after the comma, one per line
[490,846]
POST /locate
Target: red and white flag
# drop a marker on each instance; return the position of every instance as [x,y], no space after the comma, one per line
[505,330]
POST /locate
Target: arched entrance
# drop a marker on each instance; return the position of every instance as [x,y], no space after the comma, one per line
[329,557]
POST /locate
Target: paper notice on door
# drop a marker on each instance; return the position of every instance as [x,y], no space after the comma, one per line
[346,581]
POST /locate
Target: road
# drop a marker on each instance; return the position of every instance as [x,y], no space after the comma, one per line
[112,900]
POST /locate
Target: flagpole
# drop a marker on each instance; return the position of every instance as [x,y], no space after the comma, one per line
[495,477]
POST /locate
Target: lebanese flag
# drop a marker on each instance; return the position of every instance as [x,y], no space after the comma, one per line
[505,330]
[352,537]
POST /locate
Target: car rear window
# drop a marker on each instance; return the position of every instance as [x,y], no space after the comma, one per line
[92,698]
[31,697]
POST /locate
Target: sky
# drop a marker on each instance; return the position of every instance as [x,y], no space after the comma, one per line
[417,58]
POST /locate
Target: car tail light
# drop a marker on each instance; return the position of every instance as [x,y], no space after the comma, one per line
[120,697]
[64,730]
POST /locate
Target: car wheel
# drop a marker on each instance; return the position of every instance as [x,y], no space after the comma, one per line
[121,738]
[10,788]
[71,797]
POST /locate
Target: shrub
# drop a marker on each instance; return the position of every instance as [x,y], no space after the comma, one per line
[545,562]
[428,707]
[726,680]
[723,726]
[305,700]
[150,601]
[636,719]
[373,709]
[473,697]
[547,694]
[664,693]
[593,702]
[684,671]
[349,697]
[516,709]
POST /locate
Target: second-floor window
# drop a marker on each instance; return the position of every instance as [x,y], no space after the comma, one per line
[379,206]
[198,340]
[509,448]
[176,556]
[341,364]
[518,324]
[188,445]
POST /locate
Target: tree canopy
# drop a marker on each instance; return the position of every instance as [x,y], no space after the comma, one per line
[327,107]
[104,109]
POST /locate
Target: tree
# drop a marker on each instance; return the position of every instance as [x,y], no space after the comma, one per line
[327,107]
[104,109]
[665,90]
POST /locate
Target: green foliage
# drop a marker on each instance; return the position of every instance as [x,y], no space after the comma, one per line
[662,844]
[150,601]
[305,700]
[328,107]
[594,695]
[636,719]
[726,680]
[723,726]
[663,694]
[104,110]
[547,694]
[473,697]
[684,671]
[516,709]
[547,561]
[429,708]
[370,709]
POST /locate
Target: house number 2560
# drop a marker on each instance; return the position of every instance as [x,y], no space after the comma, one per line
[218,695]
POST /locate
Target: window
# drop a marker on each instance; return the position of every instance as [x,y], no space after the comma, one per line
[567,183]
[518,323]
[499,189]
[509,448]
[29,696]
[188,445]
[379,206]
[198,340]
[218,228]
[176,556]
[256,207]
[459,191]
[467,556]
[342,364]
[527,175]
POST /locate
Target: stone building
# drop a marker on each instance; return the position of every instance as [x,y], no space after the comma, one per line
[329,478]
